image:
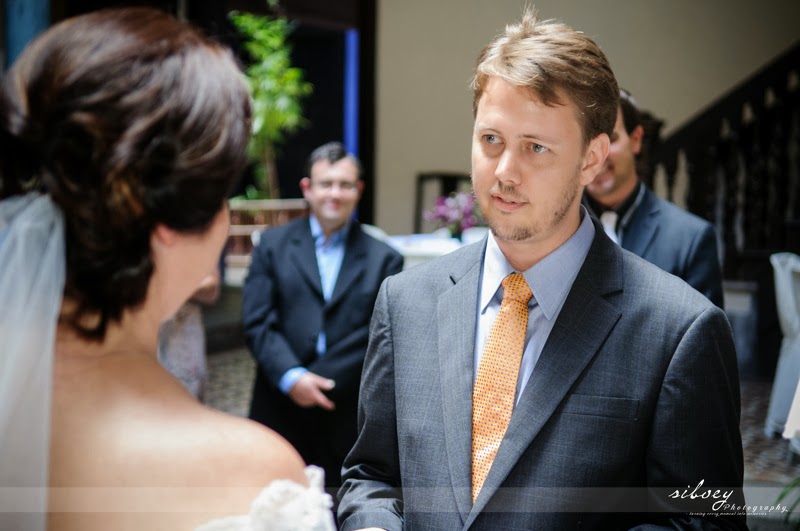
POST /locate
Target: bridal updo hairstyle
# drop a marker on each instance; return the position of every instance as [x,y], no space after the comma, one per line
[127,118]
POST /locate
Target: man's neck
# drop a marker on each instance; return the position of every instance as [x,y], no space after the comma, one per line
[522,255]
[329,230]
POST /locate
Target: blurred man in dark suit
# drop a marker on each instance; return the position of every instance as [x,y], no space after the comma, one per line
[307,303]
[633,216]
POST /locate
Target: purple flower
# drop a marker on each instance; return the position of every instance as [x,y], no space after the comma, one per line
[456,212]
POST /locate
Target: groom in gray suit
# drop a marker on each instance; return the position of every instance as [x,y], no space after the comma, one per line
[623,408]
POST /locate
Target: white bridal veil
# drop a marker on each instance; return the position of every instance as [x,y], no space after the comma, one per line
[31,286]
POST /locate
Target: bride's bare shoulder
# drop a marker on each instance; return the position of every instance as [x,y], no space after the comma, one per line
[181,464]
[246,452]
[147,428]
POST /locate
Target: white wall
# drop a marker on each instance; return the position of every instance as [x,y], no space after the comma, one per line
[675,56]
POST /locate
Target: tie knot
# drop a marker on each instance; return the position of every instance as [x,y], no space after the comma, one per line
[516,288]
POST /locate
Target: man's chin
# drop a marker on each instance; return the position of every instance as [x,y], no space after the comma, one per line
[601,189]
[510,233]
[334,217]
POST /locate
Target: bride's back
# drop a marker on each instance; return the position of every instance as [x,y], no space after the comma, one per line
[130,128]
[131,449]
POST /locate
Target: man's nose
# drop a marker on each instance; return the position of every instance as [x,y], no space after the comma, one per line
[508,167]
[336,190]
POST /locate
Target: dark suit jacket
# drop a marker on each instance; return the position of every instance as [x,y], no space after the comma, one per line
[678,242]
[635,395]
[283,313]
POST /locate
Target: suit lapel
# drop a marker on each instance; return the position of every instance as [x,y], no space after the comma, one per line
[457,309]
[643,226]
[353,264]
[304,256]
[582,326]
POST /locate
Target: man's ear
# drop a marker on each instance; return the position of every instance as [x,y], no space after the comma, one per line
[164,235]
[594,158]
[305,185]
[636,137]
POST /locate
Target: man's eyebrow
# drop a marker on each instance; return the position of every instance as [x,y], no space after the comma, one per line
[529,136]
[541,138]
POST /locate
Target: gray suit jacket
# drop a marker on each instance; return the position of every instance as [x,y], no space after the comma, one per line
[635,396]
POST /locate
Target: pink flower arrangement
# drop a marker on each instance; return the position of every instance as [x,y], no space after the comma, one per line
[456,211]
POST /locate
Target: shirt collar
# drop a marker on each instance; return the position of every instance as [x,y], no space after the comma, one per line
[318,234]
[550,279]
[630,201]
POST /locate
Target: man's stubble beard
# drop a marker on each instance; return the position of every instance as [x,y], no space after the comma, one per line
[525,232]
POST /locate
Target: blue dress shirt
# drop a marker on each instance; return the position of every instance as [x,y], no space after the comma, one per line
[330,254]
[550,281]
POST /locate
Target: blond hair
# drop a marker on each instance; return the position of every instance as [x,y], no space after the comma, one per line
[552,60]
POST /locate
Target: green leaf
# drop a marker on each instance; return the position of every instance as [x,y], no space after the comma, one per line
[277,88]
[788,490]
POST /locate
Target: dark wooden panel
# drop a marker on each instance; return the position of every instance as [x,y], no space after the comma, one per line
[341,14]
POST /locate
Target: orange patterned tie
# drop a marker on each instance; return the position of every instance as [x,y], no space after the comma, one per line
[496,383]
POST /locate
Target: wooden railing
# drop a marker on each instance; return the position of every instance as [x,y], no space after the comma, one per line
[249,216]
[743,167]
[741,160]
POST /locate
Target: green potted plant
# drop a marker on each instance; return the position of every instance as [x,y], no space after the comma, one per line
[790,495]
[277,89]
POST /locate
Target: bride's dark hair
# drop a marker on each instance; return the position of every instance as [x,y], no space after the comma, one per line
[127,118]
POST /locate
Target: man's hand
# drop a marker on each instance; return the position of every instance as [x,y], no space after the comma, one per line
[308,391]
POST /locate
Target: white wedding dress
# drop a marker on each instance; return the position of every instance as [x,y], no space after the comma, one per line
[284,505]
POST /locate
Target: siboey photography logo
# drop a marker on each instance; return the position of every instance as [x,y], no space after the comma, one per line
[718,497]
[723,502]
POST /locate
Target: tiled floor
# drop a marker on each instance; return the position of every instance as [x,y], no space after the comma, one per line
[766,460]
[230,381]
